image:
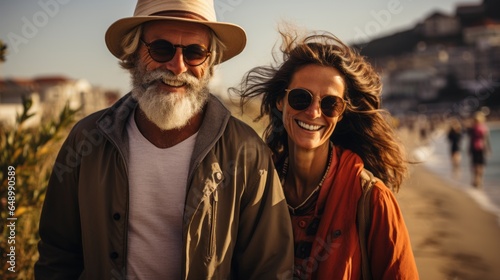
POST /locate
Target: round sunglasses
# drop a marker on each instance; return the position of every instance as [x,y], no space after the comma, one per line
[300,99]
[163,51]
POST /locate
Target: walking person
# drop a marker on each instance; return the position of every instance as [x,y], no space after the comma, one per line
[166,184]
[325,130]
[479,147]
[454,136]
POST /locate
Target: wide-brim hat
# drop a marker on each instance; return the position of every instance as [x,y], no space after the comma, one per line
[198,11]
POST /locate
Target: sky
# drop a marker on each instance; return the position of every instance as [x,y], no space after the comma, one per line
[66,37]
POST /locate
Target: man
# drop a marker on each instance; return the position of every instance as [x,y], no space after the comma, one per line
[166,184]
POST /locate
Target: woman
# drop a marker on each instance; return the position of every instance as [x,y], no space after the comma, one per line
[324,127]
[479,148]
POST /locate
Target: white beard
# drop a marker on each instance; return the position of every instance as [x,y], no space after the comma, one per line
[169,110]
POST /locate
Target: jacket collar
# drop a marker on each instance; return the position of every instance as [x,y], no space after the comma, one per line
[113,123]
[213,126]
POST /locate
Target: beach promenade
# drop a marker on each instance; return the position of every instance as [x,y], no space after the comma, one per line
[452,237]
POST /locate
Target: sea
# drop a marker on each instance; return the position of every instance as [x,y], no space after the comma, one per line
[436,155]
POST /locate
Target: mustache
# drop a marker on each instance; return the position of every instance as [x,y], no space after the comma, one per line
[160,75]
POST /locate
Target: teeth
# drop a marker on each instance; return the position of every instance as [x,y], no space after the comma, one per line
[173,83]
[308,126]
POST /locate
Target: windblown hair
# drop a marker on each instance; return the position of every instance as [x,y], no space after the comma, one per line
[363,128]
[131,40]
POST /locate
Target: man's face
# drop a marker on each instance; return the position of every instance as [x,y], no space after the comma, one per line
[170,93]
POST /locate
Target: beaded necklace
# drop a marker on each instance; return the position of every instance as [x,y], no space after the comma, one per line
[316,190]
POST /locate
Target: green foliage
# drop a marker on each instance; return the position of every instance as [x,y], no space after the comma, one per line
[31,152]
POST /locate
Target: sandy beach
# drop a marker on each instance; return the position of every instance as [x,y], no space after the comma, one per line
[452,237]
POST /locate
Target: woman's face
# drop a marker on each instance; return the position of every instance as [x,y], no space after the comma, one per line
[310,128]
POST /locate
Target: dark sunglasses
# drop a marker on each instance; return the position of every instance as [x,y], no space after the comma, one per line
[300,99]
[163,51]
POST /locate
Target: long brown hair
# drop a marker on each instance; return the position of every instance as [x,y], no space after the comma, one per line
[363,129]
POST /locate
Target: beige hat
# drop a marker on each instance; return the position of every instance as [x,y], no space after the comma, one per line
[199,11]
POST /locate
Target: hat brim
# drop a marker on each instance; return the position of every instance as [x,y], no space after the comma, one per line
[231,35]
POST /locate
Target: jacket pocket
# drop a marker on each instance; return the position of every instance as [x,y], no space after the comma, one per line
[213,225]
[212,186]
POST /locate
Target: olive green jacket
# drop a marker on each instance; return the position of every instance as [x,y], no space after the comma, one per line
[236,222]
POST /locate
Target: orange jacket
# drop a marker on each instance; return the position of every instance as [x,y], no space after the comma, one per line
[335,252]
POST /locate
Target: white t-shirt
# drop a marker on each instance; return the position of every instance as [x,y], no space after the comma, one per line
[157,190]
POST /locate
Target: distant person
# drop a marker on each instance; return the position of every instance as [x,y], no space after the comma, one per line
[455,133]
[166,184]
[424,131]
[326,127]
[479,147]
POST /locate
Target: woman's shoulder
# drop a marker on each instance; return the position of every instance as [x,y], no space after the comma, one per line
[383,195]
